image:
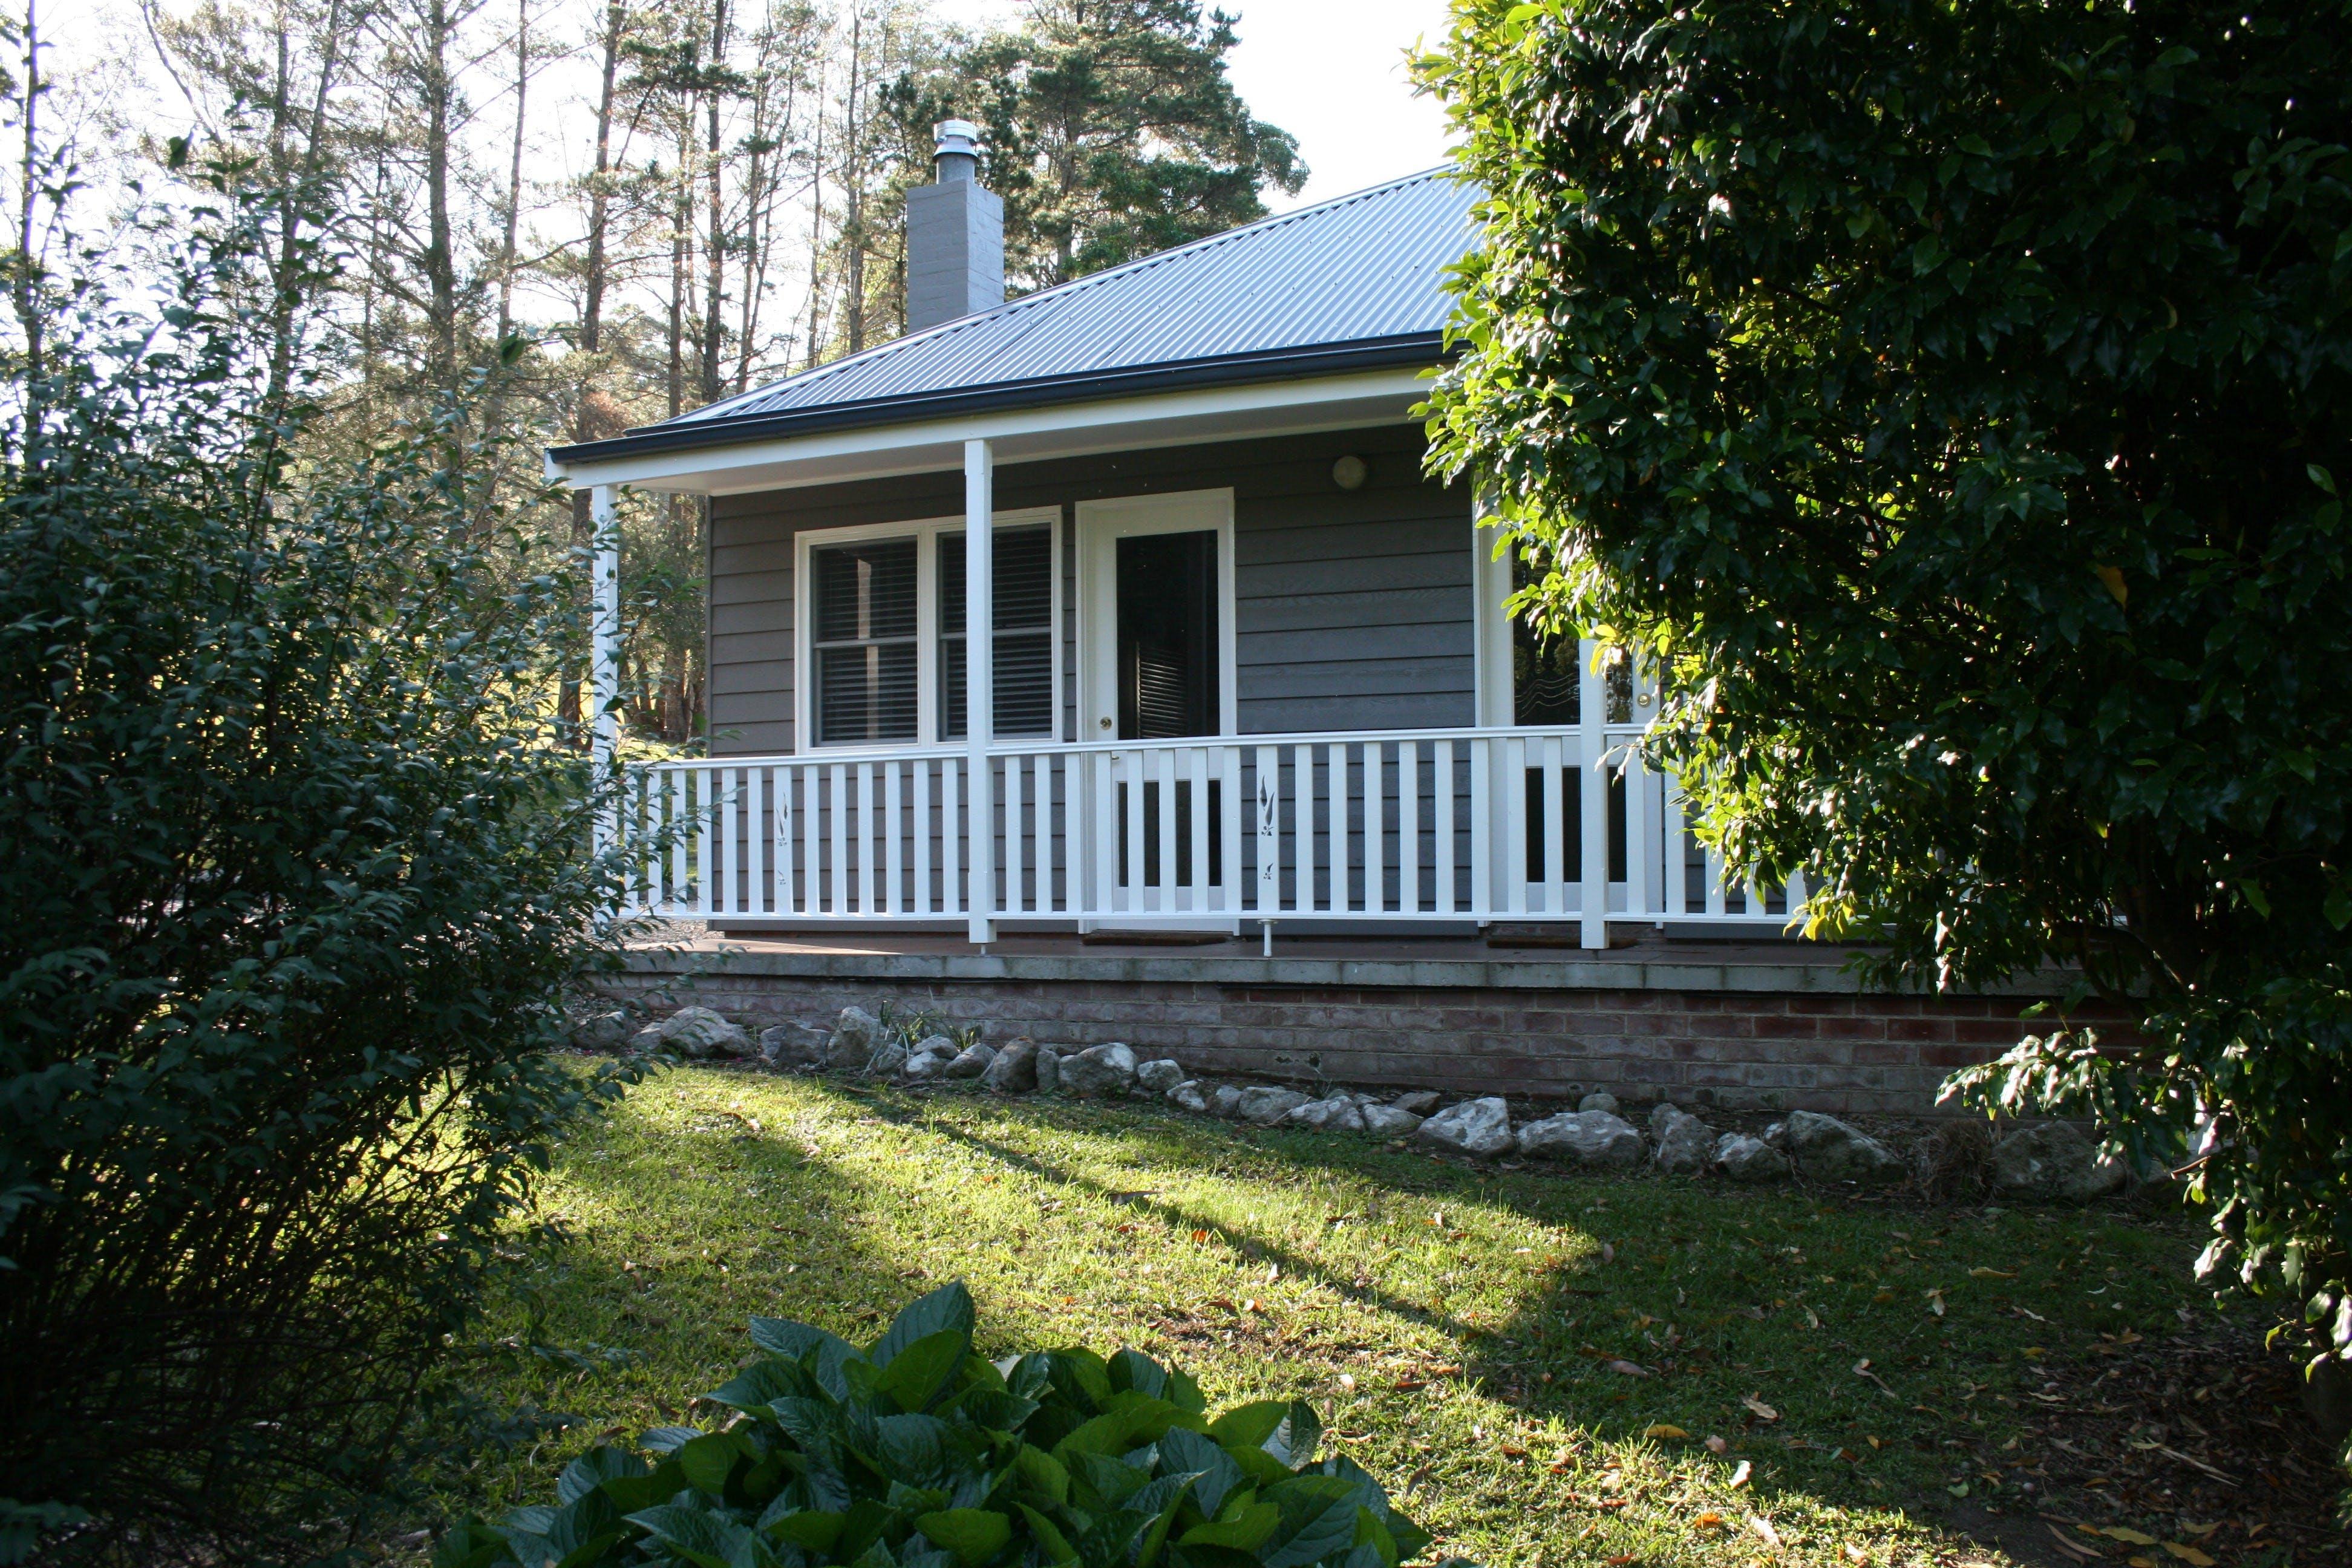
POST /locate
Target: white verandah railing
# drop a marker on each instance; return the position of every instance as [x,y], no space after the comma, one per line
[1484,825]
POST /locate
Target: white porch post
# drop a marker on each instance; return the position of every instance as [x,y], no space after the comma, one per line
[980,680]
[1592,792]
[604,661]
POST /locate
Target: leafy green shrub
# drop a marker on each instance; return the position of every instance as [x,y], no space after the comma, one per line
[1952,404]
[295,879]
[916,1453]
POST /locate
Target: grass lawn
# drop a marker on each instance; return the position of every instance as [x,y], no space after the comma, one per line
[1544,1369]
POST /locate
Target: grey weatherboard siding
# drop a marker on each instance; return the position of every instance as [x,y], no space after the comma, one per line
[1353,608]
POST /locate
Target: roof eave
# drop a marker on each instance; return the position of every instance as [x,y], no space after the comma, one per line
[1225,370]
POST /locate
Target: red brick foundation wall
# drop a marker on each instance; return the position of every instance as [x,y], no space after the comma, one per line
[1733,1050]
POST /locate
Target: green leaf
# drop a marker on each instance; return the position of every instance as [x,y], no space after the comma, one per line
[1048,1536]
[815,1529]
[1128,1424]
[470,1544]
[2321,477]
[709,1460]
[1318,1518]
[1161,1499]
[916,1374]
[706,1540]
[947,1310]
[1184,1450]
[1042,1473]
[1251,1530]
[592,1470]
[974,1534]
[759,1384]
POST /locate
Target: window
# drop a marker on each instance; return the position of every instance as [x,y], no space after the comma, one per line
[882,641]
[1544,687]
[864,641]
[1024,632]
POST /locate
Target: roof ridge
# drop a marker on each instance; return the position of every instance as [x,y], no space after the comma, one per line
[1109,275]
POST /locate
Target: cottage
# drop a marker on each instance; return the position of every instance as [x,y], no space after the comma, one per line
[1243,679]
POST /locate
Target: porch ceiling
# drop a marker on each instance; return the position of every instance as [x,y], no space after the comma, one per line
[1019,435]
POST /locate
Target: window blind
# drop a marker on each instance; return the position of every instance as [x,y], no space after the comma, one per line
[1024,635]
[865,602]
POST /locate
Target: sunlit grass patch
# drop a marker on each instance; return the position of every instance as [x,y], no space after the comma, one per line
[1579,1369]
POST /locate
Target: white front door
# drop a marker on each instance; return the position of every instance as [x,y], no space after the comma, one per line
[1156,616]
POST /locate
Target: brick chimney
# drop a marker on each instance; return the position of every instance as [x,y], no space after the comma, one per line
[955,235]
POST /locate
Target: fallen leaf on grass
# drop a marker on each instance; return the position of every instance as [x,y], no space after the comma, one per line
[1739,1475]
[1716,1445]
[1760,1410]
[1854,1553]
[1765,1532]
[1710,1520]
[1935,1302]
[2118,1532]
[1661,1429]
[1608,1253]
[2074,1548]
[2188,1554]
[1983,1273]
[1627,1369]
[1200,1236]
[1621,1559]
[1410,1385]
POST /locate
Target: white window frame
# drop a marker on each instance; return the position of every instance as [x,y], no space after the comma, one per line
[1101,523]
[925,533]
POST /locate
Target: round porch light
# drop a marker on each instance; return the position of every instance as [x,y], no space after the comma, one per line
[1349,472]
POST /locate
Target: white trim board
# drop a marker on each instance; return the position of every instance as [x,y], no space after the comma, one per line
[1022,436]
[925,532]
[1101,525]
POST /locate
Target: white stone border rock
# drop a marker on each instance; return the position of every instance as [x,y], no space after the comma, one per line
[2042,1163]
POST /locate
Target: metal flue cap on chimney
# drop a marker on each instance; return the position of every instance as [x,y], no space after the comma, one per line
[956,154]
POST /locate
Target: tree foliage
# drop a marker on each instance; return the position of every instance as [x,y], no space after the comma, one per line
[296,880]
[1112,131]
[1953,402]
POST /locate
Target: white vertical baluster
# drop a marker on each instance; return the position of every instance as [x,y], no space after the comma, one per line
[1131,771]
[1342,841]
[731,805]
[923,833]
[1407,828]
[1640,853]
[1516,802]
[1016,849]
[755,841]
[1560,781]
[676,893]
[1197,898]
[1102,879]
[1229,772]
[1268,890]
[951,836]
[1376,827]
[1593,793]
[1043,805]
[864,838]
[893,824]
[1445,891]
[1302,809]
[1485,802]
[785,822]
[1717,901]
[1796,892]
[837,810]
[1163,765]
[1670,829]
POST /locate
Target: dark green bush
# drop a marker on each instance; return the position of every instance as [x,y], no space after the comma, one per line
[1952,404]
[294,880]
[916,1453]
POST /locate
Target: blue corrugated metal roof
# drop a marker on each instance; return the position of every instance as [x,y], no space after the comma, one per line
[1306,288]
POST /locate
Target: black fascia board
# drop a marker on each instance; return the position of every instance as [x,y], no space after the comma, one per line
[1277,364]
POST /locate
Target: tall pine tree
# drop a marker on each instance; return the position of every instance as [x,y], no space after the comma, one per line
[1113,132]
